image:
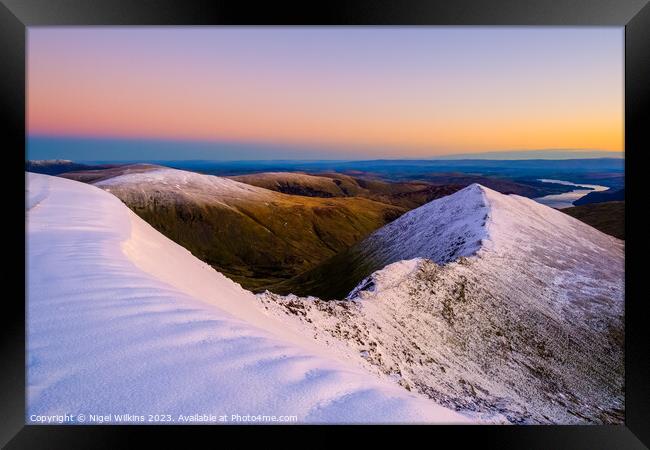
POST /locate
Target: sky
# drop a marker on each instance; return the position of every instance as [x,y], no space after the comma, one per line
[103,93]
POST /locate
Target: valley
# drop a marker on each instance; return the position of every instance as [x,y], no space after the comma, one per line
[287,232]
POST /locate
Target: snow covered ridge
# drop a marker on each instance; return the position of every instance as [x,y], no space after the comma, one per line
[442,230]
[512,309]
[125,324]
[183,179]
[476,220]
[386,278]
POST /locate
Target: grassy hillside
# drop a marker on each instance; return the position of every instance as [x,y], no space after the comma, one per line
[257,244]
[608,217]
[409,194]
[299,184]
[255,236]
[334,278]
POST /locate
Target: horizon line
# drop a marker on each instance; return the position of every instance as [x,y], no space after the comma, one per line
[199,151]
[248,161]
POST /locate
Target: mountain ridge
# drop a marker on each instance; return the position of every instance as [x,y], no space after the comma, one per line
[523,319]
[462,230]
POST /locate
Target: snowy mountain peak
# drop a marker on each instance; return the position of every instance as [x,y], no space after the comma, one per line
[516,299]
[476,218]
[442,230]
[477,221]
[475,187]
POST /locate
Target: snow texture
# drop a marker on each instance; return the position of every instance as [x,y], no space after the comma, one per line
[442,230]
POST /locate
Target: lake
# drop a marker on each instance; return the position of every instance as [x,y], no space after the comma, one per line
[566,199]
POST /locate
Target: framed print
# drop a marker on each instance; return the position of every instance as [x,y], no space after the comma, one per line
[362,216]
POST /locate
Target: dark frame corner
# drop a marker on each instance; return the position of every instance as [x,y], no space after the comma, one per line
[634,15]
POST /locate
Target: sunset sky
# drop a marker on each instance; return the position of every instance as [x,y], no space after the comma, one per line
[321,92]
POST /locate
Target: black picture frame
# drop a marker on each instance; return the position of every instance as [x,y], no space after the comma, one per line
[634,15]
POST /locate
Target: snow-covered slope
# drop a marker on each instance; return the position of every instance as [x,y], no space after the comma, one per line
[120,320]
[479,220]
[190,181]
[442,230]
[523,318]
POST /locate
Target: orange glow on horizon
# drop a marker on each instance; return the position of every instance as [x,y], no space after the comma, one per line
[77,93]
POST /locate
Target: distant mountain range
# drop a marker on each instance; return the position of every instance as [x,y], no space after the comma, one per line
[58,166]
[605,171]
[537,155]
[608,171]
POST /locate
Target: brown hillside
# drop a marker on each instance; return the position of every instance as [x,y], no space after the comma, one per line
[253,235]
[608,217]
[327,185]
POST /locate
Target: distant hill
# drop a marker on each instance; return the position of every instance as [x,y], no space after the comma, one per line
[537,155]
[58,166]
[601,197]
[525,188]
[608,217]
[99,174]
[408,194]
